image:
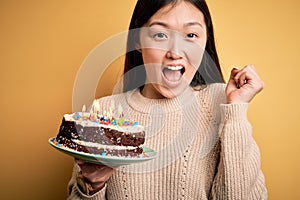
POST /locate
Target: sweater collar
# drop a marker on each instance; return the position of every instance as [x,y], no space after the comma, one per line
[146,105]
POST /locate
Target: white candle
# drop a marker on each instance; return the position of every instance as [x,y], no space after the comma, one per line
[120,111]
[96,107]
[83,111]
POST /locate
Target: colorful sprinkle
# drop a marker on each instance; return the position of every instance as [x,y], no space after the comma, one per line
[106,119]
[77,116]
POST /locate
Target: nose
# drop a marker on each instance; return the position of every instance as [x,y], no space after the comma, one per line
[173,55]
[174,51]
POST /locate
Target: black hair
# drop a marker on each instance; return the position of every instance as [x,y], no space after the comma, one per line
[209,70]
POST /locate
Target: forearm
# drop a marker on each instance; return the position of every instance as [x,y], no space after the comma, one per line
[239,175]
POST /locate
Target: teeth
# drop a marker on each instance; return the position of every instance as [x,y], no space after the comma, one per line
[175,68]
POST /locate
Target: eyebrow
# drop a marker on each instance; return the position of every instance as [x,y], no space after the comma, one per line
[193,24]
[166,25]
[158,23]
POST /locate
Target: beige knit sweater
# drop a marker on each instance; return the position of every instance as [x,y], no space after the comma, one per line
[205,150]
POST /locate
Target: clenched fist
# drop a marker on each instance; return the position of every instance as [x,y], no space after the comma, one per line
[243,85]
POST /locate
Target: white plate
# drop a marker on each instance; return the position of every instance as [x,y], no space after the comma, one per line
[148,154]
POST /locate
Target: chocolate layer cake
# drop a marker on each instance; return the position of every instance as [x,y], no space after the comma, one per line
[98,134]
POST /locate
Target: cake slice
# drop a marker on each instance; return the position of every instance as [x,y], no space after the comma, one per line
[99,134]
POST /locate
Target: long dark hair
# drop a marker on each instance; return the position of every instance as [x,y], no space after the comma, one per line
[209,70]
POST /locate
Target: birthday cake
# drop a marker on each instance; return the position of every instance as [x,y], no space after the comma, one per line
[101,134]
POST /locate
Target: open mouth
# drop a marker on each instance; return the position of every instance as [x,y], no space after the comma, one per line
[173,73]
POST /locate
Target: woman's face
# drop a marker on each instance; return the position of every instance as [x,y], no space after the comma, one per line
[172,43]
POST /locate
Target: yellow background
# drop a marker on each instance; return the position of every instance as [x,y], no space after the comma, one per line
[43,43]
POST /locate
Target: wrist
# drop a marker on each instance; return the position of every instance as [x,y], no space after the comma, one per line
[87,187]
[235,101]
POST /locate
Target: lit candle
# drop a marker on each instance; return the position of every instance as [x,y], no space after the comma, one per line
[96,107]
[83,111]
[120,115]
[109,115]
[112,106]
[120,111]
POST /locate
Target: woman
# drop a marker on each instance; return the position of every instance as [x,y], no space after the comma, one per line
[197,124]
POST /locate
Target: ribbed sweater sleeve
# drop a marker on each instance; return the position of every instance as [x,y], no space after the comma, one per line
[239,175]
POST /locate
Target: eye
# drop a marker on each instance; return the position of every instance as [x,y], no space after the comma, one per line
[160,36]
[191,35]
